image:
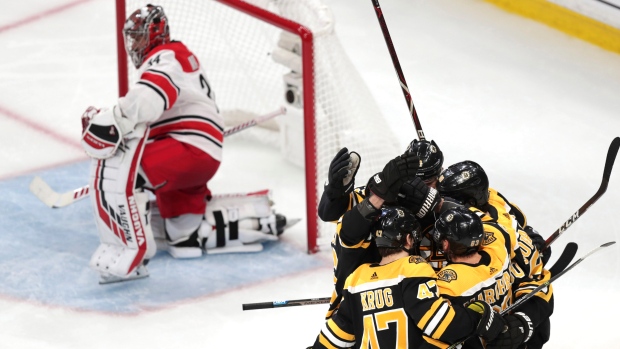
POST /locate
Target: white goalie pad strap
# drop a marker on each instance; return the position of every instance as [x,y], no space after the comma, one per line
[231,235]
[120,212]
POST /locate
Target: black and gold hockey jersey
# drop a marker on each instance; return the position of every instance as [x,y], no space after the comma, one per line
[396,305]
[507,270]
[351,250]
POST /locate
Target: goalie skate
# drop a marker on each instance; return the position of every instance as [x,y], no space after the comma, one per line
[139,273]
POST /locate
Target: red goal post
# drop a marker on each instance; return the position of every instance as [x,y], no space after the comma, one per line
[339,115]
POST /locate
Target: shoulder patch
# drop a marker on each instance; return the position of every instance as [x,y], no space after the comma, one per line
[489,237]
[416,259]
[447,275]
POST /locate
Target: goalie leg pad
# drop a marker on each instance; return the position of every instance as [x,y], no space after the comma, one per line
[229,238]
[121,214]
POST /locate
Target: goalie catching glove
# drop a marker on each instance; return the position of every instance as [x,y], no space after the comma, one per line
[341,175]
[386,184]
[101,136]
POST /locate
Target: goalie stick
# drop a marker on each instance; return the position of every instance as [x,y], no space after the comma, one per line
[609,164]
[54,199]
[541,286]
[565,258]
[399,70]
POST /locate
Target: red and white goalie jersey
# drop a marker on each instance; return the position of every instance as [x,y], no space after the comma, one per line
[174,97]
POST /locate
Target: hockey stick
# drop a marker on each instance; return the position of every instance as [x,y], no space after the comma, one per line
[54,199]
[281,304]
[609,164]
[567,256]
[399,71]
[541,286]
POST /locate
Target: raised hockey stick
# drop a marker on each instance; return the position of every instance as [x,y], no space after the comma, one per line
[543,285]
[399,70]
[54,199]
[609,164]
[282,304]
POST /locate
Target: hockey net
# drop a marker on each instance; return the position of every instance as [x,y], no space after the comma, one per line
[262,54]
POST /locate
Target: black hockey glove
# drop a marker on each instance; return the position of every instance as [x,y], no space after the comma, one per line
[418,197]
[341,175]
[520,329]
[539,242]
[386,184]
[491,324]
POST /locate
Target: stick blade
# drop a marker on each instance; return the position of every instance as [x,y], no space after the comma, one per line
[44,192]
[565,259]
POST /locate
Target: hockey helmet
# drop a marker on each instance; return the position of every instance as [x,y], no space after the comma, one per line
[465,181]
[145,29]
[393,226]
[463,230]
[431,158]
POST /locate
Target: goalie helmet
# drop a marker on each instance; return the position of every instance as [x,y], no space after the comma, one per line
[393,226]
[463,230]
[431,158]
[145,29]
[465,181]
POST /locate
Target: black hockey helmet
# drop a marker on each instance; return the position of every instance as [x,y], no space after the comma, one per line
[431,158]
[465,181]
[463,230]
[393,226]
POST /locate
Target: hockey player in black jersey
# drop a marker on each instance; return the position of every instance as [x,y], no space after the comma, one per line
[480,269]
[467,182]
[340,196]
[394,303]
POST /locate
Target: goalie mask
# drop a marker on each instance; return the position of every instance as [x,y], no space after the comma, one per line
[465,181]
[463,230]
[145,29]
[431,158]
[393,226]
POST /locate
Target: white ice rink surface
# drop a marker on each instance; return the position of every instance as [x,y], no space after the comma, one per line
[538,109]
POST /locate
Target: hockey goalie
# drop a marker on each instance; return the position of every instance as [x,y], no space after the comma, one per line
[164,136]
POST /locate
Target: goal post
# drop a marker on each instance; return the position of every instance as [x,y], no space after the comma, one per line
[264,53]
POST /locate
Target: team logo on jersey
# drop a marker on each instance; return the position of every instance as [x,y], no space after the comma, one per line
[449,218]
[488,238]
[492,270]
[416,260]
[374,276]
[400,213]
[447,275]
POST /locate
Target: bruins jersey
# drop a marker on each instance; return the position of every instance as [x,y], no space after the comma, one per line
[354,251]
[396,305]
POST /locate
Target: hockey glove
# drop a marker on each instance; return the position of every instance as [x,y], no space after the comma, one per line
[539,242]
[341,175]
[520,329]
[491,323]
[101,135]
[418,197]
[387,183]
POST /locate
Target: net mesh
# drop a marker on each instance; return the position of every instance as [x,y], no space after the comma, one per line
[236,49]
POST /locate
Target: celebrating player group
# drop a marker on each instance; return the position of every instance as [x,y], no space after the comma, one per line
[427,257]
